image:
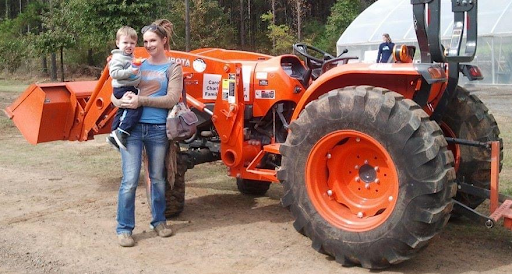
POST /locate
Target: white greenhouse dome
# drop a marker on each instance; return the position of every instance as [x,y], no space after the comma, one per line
[494,53]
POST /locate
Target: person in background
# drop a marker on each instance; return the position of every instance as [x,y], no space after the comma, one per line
[160,89]
[385,49]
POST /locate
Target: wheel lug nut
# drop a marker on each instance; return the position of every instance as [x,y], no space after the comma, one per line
[376,168]
[367,186]
[329,156]
[329,193]
[366,162]
[357,179]
[356,167]
[377,181]
[360,215]
[358,139]
[390,198]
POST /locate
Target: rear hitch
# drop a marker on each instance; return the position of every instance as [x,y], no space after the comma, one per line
[473,215]
[497,211]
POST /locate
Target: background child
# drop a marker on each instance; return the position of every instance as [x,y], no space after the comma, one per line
[125,78]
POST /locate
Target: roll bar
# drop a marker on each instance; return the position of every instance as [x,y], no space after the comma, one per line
[427,23]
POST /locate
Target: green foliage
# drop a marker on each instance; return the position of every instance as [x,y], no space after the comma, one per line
[13,46]
[58,31]
[342,14]
[97,21]
[313,31]
[281,33]
[13,52]
[86,28]
[209,25]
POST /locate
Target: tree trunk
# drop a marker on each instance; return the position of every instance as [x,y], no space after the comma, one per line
[299,19]
[62,64]
[53,72]
[187,26]
[90,59]
[44,63]
[242,30]
[249,27]
[273,22]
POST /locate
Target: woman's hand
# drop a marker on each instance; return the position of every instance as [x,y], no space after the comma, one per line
[130,100]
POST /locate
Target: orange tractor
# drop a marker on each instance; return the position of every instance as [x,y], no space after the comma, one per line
[373,158]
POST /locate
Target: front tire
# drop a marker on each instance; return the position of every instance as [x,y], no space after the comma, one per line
[367,176]
[252,187]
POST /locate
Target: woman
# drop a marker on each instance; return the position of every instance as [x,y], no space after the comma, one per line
[385,49]
[160,89]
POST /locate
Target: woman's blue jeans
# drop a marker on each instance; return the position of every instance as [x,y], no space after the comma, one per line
[154,139]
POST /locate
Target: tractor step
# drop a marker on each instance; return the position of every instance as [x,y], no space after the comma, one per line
[505,211]
[265,174]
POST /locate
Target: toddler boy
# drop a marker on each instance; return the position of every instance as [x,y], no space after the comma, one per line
[125,78]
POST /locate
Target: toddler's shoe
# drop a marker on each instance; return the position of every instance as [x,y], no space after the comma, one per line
[112,141]
[120,137]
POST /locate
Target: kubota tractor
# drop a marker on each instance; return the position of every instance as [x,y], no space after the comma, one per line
[372,157]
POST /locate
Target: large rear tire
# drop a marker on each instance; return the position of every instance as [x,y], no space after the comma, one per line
[175,194]
[468,118]
[367,176]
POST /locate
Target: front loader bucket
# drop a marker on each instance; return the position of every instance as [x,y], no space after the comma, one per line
[49,112]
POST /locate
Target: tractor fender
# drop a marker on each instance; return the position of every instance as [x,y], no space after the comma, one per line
[402,78]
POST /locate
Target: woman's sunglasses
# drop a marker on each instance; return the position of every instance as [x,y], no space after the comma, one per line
[154,28]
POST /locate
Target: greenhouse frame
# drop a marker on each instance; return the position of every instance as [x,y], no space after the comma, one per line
[494,53]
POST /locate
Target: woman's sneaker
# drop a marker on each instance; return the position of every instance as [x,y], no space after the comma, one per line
[125,240]
[163,230]
[120,137]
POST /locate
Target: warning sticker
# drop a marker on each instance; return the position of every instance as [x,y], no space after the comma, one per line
[211,86]
[228,90]
[265,94]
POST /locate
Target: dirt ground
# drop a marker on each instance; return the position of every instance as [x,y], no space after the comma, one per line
[58,206]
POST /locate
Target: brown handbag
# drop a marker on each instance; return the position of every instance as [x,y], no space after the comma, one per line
[181,121]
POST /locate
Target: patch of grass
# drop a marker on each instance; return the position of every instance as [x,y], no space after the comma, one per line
[90,159]
[13,86]
[505,126]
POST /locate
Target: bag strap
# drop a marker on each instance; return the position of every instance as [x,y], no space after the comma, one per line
[168,74]
[184,95]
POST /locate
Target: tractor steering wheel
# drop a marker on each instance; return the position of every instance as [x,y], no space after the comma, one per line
[311,61]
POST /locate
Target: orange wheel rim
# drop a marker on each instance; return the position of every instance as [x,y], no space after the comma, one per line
[454,148]
[351,180]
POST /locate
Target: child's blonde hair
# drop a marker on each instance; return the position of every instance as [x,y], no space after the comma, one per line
[126,31]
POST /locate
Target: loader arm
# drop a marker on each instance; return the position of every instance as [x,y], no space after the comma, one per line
[77,111]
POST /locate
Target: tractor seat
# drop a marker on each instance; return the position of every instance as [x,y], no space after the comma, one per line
[295,69]
[315,73]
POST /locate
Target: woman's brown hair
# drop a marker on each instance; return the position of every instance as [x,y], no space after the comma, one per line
[388,39]
[167,26]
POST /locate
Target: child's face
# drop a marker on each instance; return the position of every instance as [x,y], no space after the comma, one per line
[126,44]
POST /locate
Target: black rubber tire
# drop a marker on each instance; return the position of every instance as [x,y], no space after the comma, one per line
[252,187]
[469,118]
[175,197]
[418,149]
